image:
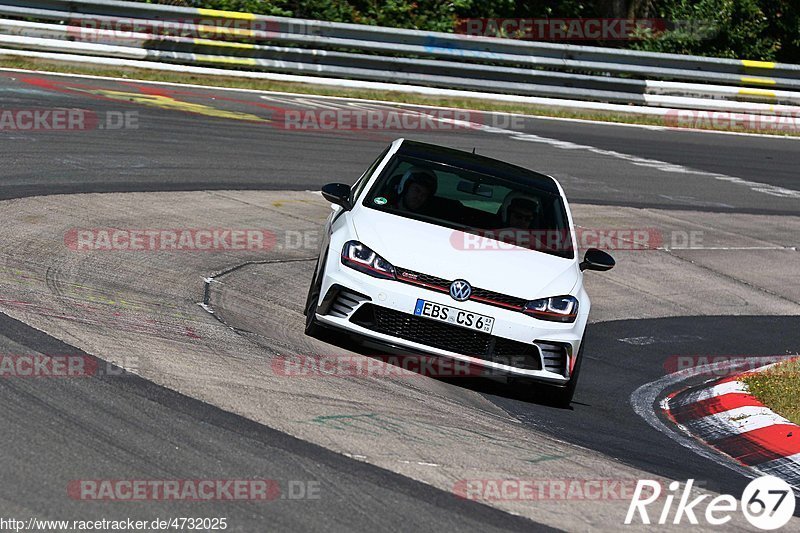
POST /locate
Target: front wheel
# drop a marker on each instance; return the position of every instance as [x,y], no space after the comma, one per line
[312,328]
[551,394]
[562,396]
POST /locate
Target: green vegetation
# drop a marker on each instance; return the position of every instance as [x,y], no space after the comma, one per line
[779,389]
[747,29]
[766,30]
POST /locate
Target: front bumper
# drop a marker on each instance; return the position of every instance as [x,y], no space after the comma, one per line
[382,311]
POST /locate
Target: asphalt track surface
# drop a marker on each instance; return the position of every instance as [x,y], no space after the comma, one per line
[158,433]
[188,151]
[54,431]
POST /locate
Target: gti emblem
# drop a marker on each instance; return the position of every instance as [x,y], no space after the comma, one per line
[460,290]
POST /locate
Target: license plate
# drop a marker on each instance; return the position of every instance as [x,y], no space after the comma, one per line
[452,315]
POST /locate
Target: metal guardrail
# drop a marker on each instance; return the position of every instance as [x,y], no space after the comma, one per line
[394,55]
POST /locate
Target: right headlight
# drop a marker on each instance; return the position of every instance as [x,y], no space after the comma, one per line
[554,309]
[360,257]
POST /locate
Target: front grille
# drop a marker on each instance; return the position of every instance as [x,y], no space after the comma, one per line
[425,280]
[442,285]
[497,298]
[447,337]
[410,275]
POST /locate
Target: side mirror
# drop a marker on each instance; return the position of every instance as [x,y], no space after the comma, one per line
[337,193]
[597,260]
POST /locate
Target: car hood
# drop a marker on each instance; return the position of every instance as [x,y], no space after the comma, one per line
[436,250]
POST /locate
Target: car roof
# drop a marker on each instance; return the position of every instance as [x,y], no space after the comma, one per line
[478,163]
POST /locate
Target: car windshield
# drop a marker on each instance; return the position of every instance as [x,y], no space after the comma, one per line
[501,212]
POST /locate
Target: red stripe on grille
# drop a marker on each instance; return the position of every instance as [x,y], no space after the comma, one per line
[423,284]
[495,302]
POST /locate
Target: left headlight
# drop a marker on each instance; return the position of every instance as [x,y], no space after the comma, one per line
[360,257]
[555,309]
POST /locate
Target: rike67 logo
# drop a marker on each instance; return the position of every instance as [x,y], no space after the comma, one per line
[768,503]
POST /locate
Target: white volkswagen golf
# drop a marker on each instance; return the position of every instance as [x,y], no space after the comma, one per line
[446,253]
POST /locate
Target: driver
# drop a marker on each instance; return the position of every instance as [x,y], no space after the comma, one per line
[521,213]
[416,188]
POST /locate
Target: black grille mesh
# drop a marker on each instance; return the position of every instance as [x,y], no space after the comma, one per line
[447,337]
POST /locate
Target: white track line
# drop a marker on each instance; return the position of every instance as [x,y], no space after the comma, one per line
[663,166]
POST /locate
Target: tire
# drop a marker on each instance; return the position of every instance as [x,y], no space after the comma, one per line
[562,396]
[313,328]
[552,395]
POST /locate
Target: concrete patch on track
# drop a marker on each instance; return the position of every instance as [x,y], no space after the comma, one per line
[140,310]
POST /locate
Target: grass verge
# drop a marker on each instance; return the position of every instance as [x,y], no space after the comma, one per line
[779,389]
[388,96]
